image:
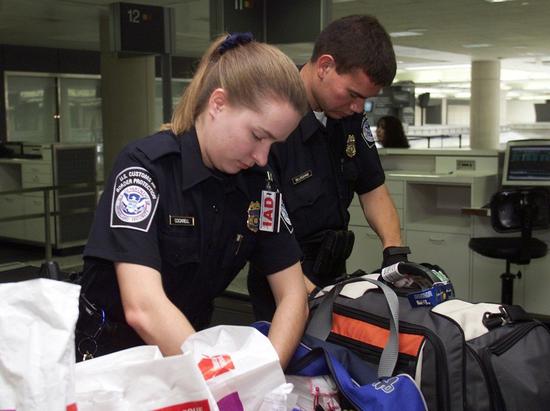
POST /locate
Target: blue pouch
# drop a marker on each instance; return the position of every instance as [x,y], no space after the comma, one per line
[357,380]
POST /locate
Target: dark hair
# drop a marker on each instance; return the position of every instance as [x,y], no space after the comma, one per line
[394,135]
[248,70]
[358,41]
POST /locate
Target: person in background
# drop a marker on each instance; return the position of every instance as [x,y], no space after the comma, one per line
[390,133]
[332,155]
[180,214]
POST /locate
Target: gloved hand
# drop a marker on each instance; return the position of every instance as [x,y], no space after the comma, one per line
[392,255]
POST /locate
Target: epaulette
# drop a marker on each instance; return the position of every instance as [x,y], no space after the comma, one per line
[159,145]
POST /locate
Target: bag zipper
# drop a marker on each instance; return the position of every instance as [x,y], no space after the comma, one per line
[443,397]
[498,348]
[487,375]
[372,354]
[502,345]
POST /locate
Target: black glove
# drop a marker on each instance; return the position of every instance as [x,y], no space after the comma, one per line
[394,255]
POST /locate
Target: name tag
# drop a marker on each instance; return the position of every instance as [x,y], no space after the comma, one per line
[301,177]
[184,221]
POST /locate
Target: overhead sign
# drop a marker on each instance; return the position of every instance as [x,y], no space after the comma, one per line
[142,29]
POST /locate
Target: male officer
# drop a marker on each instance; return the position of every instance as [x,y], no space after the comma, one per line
[331,155]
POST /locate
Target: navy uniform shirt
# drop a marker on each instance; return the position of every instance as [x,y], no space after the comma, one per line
[163,208]
[320,168]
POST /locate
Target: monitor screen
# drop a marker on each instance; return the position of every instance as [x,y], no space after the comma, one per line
[527,163]
[369,106]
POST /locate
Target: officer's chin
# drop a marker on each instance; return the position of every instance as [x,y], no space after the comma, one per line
[336,115]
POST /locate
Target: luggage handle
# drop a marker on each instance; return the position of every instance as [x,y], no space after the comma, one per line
[320,323]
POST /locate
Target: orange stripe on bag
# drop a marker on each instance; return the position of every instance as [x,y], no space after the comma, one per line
[374,335]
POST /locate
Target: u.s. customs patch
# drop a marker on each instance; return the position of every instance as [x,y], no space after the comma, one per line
[285,218]
[135,199]
[366,132]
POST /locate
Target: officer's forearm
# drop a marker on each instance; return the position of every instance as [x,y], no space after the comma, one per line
[148,310]
[382,216]
[164,326]
[288,323]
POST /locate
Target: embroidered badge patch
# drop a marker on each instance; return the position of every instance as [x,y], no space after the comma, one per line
[366,132]
[135,199]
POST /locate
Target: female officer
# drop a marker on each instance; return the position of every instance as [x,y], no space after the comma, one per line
[390,133]
[180,214]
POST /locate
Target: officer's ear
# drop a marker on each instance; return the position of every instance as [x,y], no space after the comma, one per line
[217,102]
[324,64]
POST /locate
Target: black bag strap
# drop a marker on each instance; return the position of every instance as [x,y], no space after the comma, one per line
[320,324]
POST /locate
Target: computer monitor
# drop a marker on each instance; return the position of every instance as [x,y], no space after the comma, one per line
[527,163]
[369,106]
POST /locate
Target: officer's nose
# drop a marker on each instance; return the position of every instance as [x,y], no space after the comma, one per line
[358,105]
[261,153]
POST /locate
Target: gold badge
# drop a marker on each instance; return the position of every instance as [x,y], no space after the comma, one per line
[253,220]
[350,146]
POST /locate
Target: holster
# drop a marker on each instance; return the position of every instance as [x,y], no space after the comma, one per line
[334,250]
[97,335]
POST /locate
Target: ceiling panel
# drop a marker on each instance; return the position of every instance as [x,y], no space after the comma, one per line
[516,32]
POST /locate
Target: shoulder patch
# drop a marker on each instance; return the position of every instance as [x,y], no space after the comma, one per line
[366,132]
[135,199]
[285,218]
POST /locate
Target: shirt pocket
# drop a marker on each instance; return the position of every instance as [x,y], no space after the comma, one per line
[238,252]
[302,195]
[178,248]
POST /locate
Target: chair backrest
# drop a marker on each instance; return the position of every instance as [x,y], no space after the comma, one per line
[521,209]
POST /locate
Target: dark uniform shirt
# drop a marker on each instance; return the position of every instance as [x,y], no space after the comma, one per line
[163,208]
[320,168]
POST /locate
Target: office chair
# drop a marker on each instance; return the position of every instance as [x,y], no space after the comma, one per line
[515,210]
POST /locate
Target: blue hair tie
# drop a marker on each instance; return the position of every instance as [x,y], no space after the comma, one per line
[234,40]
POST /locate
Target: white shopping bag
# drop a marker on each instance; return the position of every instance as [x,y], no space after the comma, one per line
[238,363]
[37,353]
[140,378]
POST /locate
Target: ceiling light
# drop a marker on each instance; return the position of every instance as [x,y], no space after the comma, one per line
[497,1]
[441,67]
[476,46]
[405,34]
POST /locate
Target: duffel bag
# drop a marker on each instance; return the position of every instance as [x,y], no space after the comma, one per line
[362,386]
[459,360]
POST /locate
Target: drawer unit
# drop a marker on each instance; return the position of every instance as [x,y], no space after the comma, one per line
[36,175]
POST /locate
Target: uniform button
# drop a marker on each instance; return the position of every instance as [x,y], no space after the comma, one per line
[215,208]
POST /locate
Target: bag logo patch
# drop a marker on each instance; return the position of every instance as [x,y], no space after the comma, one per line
[216,365]
[135,199]
[387,385]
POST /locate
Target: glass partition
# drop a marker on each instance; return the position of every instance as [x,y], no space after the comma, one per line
[80,110]
[31,112]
